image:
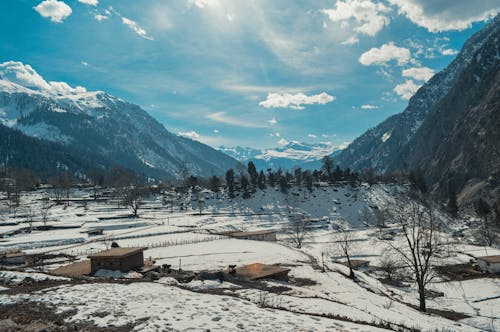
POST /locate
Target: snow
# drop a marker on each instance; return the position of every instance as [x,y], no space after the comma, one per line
[183,238]
[386,136]
[155,306]
[16,278]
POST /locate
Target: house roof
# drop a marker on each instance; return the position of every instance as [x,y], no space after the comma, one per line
[117,253]
[490,259]
[355,263]
[243,234]
[259,270]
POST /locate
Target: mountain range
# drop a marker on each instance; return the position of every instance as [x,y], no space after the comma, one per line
[293,154]
[107,129]
[450,129]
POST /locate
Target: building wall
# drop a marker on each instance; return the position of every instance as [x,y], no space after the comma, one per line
[123,264]
[260,237]
[489,267]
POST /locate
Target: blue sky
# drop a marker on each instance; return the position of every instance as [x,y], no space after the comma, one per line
[250,73]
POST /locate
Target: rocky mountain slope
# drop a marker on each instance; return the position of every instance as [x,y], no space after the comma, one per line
[450,127]
[293,154]
[98,123]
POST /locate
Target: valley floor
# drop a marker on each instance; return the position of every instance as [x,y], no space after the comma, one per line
[312,300]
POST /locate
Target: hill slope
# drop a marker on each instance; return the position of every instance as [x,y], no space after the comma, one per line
[98,123]
[450,127]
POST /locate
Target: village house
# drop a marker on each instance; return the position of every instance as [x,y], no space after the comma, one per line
[123,259]
[489,264]
[263,235]
[13,257]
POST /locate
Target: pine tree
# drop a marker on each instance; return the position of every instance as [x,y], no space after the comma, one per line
[261,181]
[230,182]
[244,186]
[252,172]
[283,185]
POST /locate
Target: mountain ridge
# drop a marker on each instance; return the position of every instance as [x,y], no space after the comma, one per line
[398,143]
[96,121]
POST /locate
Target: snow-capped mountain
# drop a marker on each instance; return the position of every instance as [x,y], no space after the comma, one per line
[98,122]
[450,127]
[293,154]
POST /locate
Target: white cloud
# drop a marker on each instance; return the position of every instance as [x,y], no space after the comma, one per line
[203,3]
[273,121]
[295,101]
[384,54]
[85,63]
[26,76]
[90,2]
[100,17]
[445,15]
[407,89]
[190,134]
[57,11]
[222,117]
[216,131]
[448,51]
[350,41]
[136,28]
[369,107]
[419,73]
[311,136]
[368,16]
[283,142]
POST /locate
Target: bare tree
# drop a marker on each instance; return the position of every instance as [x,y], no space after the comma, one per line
[297,229]
[380,218]
[420,241]
[389,264]
[30,216]
[344,246]
[45,207]
[132,198]
[487,229]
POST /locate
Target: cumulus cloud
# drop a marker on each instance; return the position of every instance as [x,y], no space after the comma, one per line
[386,53]
[295,101]
[418,73]
[311,136]
[407,89]
[369,107]
[368,17]
[272,122]
[216,131]
[26,76]
[445,15]
[189,134]
[90,2]
[57,11]
[136,28]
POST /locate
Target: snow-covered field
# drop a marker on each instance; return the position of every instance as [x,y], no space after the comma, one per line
[328,301]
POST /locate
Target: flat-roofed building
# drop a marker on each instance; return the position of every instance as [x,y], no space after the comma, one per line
[489,264]
[262,235]
[123,259]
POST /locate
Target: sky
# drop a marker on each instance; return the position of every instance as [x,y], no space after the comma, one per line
[246,72]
